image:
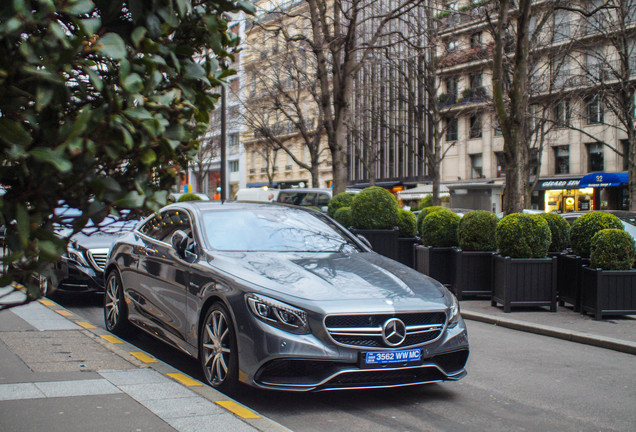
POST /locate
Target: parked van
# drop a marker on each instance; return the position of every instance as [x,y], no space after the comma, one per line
[308,197]
[256,194]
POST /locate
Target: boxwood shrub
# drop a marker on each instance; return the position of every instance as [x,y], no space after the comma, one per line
[374,208]
[407,224]
[521,235]
[189,197]
[343,217]
[439,228]
[584,227]
[425,212]
[560,230]
[612,249]
[476,231]
[343,199]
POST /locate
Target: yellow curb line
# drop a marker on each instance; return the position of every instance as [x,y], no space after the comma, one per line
[64,313]
[185,380]
[85,324]
[47,303]
[237,409]
[111,339]
[143,357]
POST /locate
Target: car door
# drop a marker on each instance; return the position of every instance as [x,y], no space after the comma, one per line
[163,276]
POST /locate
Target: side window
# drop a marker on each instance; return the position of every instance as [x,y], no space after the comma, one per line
[323,200]
[162,226]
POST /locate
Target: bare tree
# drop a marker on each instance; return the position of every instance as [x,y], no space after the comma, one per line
[339,35]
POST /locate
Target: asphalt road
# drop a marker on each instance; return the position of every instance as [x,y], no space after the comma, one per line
[516,382]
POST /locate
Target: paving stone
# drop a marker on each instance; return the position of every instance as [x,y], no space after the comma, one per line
[77,388]
[169,390]
[211,423]
[134,376]
[19,391]
[183,407]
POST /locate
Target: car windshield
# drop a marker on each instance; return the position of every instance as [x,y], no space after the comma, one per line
[630,226]
[276,229]
[109,225]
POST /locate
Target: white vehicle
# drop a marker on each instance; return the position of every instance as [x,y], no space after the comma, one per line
[256,194]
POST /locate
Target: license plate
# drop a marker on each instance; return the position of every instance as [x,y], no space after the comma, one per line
[390,357]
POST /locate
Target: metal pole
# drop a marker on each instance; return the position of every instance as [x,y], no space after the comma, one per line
[224,179]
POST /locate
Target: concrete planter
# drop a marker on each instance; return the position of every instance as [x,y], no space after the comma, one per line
[473,274]
[436,262]
[519,282]
[608,292]
[384,242]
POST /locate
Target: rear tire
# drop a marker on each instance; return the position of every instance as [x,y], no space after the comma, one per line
[115,308]
[218,352]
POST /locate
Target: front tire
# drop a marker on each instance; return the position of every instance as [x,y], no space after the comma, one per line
[115,308]
[218,353]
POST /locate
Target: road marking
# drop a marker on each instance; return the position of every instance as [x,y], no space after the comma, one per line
[143,357]
[111,339]
[64,313]
[237,409]
[185,380]
[85,324]
[47,302]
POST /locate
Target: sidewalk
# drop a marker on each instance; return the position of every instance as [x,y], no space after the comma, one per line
[58,373]
[615,333]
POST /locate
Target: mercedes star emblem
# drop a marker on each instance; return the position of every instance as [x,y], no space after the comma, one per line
[393,332]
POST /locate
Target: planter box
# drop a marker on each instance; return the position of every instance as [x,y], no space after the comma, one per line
[384,242]
[473,274]
[569,280]
[436,262]
[608,292]
[524,282]
[406,251]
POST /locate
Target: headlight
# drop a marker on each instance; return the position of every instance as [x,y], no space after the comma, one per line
[453,313]
[77,256]
[278,314]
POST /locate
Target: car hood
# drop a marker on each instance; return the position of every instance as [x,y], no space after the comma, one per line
[330,276]
[98,240]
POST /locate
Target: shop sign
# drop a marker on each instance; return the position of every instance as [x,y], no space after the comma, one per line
[560,184]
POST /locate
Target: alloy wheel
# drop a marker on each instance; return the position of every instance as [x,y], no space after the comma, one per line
[115,311]
[216,347]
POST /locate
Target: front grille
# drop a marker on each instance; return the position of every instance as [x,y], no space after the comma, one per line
[97,258]
[365,330]
[385,378]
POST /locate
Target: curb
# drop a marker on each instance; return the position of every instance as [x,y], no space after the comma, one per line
[572,336]
[253,419]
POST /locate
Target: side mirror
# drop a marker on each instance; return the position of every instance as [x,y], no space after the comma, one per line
[364,240]
[179,242]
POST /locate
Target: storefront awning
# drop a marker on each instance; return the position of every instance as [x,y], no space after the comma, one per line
[604,180]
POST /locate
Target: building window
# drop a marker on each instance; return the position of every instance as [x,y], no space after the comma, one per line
[451,87]
[595,157]
[594,110]
[475,40]
[475,126]
[476,165]
[233,165]
[562,114]
[451,129]
[561,26]
[452,45]
[500,159]
[562,160]
[560,73]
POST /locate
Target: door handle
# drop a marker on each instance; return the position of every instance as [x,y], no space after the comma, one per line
[150,251]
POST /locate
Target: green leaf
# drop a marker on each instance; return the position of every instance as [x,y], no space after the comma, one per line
[79,7]
[43,97]
[184,7]
[49,251]
[133,83]
[94,77]
[55,158]
[247,7]
[113,46]
[137,36]
[13,133]
[148,157]
[80,123]
[131,200]
[22,224]
[166,98]
[90,26]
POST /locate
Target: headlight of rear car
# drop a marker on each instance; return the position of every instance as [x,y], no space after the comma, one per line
[453,312]
[278,314]
[77,256]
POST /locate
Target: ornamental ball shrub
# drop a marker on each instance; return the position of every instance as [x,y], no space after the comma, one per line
[343,216]
[425,212]
[343,199]
[189,197]
[406,223]
[439,228]
[560,230]
[584,227]
[476,231]
[521,235]
[612,249]
[374,208]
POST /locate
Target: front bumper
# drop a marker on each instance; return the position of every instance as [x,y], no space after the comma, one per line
[74,278]
[279,360]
